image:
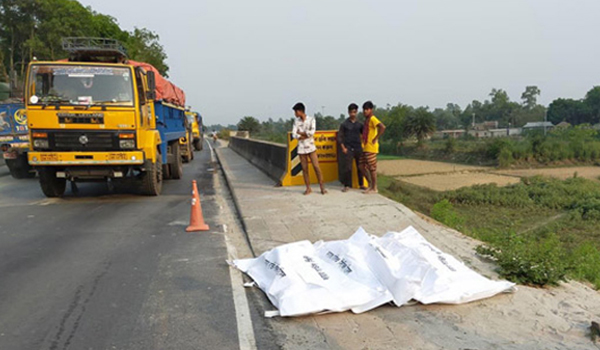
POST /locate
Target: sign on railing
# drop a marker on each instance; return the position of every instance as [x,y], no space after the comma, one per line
[327,152]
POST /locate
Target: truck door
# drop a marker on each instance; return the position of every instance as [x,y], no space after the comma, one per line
[143,102]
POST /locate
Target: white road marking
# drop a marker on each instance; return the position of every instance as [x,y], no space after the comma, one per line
[242,310]
[212,151]
[245,329]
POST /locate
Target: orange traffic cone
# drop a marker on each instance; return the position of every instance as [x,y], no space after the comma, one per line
[196,219]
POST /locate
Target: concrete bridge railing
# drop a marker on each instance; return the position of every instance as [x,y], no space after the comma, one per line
[269,157]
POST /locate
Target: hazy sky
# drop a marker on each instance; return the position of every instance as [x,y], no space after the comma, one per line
[237,58]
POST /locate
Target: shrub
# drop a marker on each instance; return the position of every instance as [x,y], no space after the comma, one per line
[505,158]
[586,263]
[224,134]
[444,212]
[389,147]
[528,260]
[495,146]
[450,145]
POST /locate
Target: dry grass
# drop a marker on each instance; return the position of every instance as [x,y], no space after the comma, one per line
[588,172]
[453,181]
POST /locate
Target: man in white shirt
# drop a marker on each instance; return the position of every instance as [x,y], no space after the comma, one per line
[304,131]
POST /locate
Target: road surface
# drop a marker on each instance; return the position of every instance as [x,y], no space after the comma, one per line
[111,270]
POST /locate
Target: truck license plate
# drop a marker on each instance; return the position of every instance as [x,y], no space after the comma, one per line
[49,157]
[117,156]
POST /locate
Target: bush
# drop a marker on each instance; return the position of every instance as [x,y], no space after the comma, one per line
[586,264]
[389,147]
[505,158]
[450,145]
[224,134]
[444,212]
[494,146]
[528,260]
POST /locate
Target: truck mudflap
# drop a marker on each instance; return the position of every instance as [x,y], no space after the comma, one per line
[86,158]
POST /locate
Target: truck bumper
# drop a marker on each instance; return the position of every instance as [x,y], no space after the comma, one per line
[11,154]
[13,151]
[86,158]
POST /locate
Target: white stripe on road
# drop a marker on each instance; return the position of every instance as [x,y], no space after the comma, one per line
[242,310]
[212,151]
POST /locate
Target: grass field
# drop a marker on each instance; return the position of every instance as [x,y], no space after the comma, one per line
[443,176]
[540,230]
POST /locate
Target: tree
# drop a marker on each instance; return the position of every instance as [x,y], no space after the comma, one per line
[326,122]
[250,124]
[144,45]
[394,122]
[420,124]
[592,103]
[530,96]
[36,28]
[565,109]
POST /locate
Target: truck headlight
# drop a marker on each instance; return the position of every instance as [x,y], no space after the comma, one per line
[127,144]
[40,143]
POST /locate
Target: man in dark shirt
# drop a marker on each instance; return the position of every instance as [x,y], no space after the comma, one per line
[349,138]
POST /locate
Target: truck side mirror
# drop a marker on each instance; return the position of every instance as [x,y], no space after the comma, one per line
[151,85]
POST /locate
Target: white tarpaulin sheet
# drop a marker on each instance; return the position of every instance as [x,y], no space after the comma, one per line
[364,272]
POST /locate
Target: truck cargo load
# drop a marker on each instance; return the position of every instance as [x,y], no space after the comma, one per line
[165,90]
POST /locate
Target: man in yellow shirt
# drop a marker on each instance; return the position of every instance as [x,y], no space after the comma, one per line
[372,131]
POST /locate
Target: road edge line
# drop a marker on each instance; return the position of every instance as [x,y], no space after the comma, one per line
[245,328]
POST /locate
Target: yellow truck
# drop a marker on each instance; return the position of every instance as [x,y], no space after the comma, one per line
[98,116]
[195,120]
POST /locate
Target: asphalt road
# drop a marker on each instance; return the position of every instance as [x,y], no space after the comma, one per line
[106,270]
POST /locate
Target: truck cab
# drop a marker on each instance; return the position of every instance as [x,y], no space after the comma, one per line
[195,120]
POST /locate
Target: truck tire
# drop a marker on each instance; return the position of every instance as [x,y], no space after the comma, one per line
[198,144]
[152,178]
[176,166]
[187,150]
[190,147]
[51,185]
[19,168]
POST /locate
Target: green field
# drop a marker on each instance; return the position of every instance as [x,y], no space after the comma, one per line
[539,231]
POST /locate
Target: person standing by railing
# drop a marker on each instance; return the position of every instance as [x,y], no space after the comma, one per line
[372,131]
[349,139]
[304,131]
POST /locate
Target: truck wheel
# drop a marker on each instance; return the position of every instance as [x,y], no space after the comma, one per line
[51,185]
[190,147]
[177,166]
[152,178]
[187,150]
[198,144]
[19,168]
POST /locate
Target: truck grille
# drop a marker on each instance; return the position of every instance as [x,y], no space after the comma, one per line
[83,141]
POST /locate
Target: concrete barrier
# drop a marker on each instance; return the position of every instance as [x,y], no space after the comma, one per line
[269,157]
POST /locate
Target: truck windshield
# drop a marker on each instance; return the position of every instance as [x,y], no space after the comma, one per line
[80,85]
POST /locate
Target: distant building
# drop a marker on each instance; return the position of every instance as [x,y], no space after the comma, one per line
[563,125]
[442,134]
[538,125]
[497,132]
[486,125]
